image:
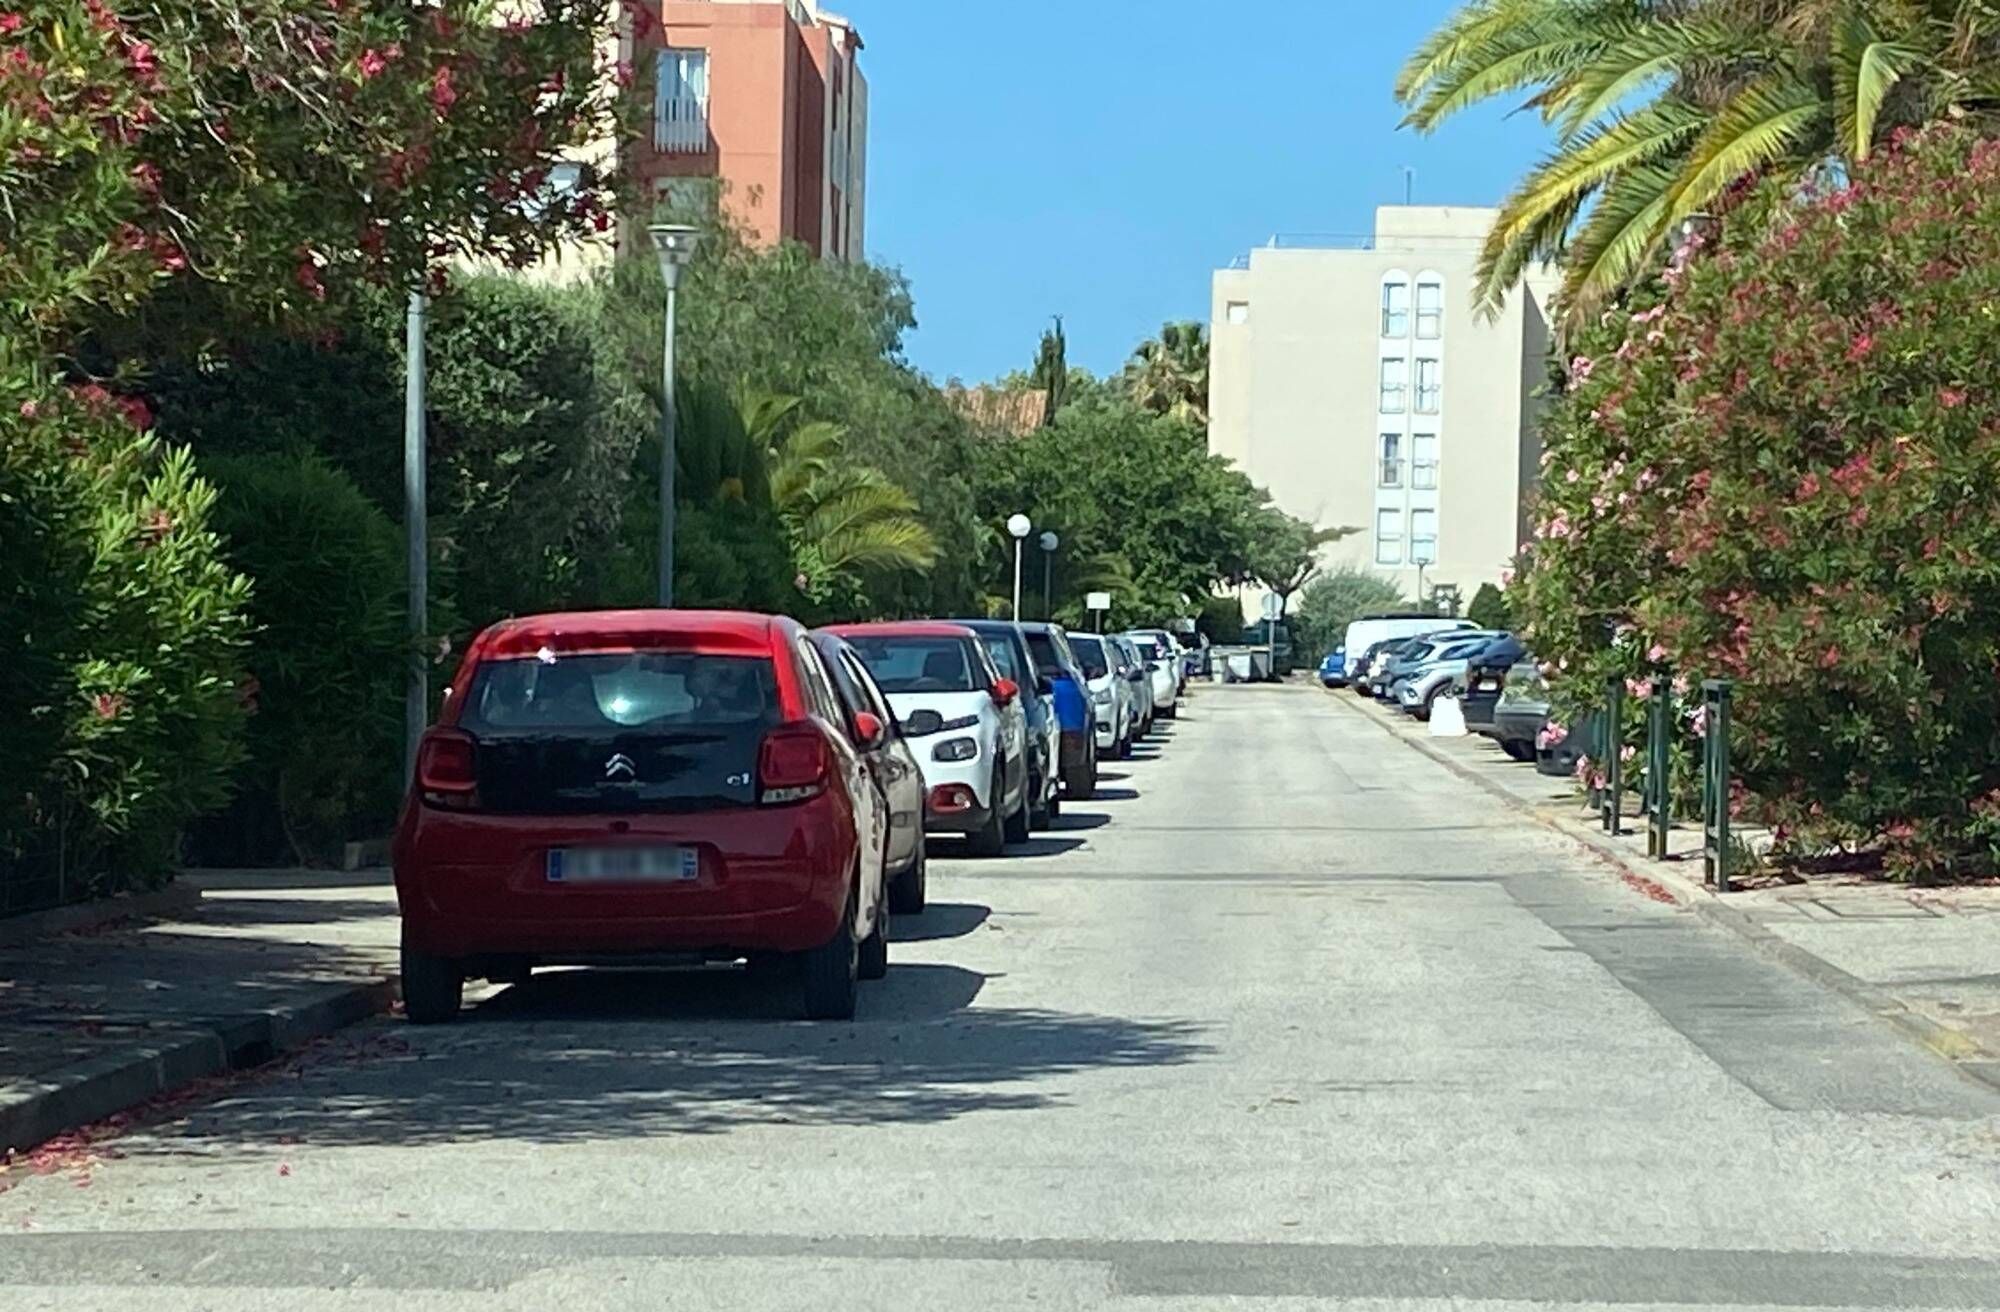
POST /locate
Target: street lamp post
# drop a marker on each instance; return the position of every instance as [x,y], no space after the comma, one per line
[1049,544]
[674,243]
[416,531]
[1018,525]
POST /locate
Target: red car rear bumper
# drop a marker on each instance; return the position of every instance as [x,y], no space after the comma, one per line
[769,880]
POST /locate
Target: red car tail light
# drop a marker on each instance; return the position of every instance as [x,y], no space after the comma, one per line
[448,769]
[792,765]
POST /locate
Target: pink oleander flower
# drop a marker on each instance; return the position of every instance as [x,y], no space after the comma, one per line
[1656,653]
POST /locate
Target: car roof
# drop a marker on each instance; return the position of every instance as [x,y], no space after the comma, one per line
[986,626]
[613,631]
[1041,626]
[903,629]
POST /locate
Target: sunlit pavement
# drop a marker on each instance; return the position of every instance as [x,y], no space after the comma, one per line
[1290,1013]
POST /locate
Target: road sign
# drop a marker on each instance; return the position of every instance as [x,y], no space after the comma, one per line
[1274,607]
[1097,601]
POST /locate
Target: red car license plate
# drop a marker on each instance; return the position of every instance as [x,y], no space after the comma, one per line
[622,865]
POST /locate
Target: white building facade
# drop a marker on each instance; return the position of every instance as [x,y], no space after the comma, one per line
[1356,383]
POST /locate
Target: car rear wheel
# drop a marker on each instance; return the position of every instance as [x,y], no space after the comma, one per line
[433,987]
[873,959]
[991,840]
[1518,750]
[1043,809]
[1084,786]
[1172,711]
[907,893]
[830,973]
[1019,829]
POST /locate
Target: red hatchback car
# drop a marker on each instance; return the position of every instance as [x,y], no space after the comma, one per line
[640,788]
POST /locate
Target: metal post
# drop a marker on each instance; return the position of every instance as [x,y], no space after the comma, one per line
[416,532]
[1048,585]
[1715,784]
[1614,756]
[1659,766]
[669,444]
[1015,614]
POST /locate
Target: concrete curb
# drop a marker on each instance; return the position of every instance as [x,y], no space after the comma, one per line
[1955,1046]
[173,900]
[35,1111]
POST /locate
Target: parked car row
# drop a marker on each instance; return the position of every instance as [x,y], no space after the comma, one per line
[1410,661]
[659,787]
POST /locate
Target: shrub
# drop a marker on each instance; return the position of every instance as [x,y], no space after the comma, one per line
[132,646]
[1489,608]
[1338,598]
[329,656]
[1775,466]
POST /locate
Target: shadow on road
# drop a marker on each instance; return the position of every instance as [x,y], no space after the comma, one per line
[1071,821]
[1116,795]
[578,1056]
[939,920]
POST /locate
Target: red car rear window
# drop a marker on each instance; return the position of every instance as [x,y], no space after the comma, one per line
[636,692]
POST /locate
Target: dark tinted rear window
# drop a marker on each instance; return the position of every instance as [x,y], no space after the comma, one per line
[1090,654]
[642,692]
[1044,649]
[649,732]
[912,664]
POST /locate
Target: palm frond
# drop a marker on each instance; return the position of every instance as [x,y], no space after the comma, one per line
[1865,67]
[1780,114]
[1522,55]
[1640,54]
[1465,31]
[1627,223]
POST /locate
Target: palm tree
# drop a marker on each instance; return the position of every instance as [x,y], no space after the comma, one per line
[1660,106]
[1169,374]
[850,516]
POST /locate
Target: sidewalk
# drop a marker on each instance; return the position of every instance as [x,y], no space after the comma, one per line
[97,1018]
[1927,960]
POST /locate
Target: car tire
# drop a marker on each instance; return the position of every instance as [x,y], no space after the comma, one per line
[1040,815]
[1518,751]
[1019,827]
[991,839]
[1085,786]
[872,959]
[907,891]
[1172,712]
[433,987]
[829,975]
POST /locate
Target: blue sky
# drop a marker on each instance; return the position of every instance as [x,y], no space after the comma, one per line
[1100,158]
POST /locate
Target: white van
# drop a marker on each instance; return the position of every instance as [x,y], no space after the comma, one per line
[1371,629]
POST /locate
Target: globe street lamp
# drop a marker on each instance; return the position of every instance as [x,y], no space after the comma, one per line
[674,243]
[1049,544]
[1018,525]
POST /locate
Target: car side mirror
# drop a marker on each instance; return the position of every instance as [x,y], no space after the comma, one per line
[1005,691]
[869,731]
[1044,687]
[919,723]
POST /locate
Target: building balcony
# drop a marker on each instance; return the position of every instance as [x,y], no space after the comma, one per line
[680,125]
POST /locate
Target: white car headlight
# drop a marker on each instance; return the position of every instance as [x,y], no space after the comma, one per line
[955,749]
[1102,696]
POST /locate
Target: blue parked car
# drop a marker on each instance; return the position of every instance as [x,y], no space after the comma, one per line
[1056,661]
[1333,670]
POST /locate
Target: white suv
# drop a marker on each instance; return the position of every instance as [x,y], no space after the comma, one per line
[1163,661]
[962,720]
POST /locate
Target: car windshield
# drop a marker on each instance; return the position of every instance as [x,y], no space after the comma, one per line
[1006,656]
[910,663]
[645,691]
[1148,649]
[1090,654]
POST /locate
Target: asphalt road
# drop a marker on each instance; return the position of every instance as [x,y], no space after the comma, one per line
[1291,1014]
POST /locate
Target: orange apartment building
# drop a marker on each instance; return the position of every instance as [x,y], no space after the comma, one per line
[766,97]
